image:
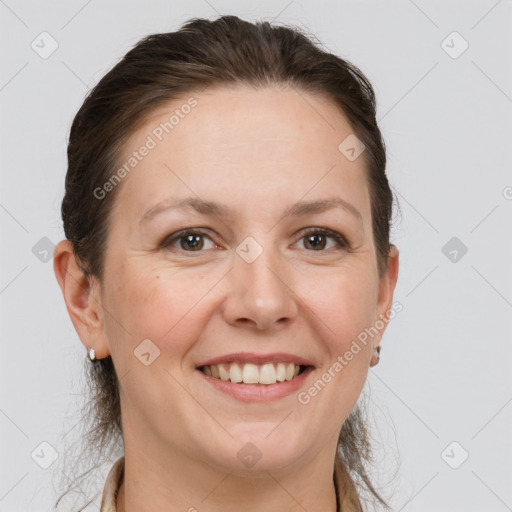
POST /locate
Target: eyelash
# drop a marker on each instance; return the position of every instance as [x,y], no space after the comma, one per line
[339,238]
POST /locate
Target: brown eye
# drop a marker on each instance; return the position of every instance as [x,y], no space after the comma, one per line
[316,239]
[193,242]
[189,241]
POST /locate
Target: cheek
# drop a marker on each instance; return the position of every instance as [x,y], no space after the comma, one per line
[346,304]
[342,308]
[161,306]
[346,311]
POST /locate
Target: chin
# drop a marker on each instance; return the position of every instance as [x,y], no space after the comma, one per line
[259,449]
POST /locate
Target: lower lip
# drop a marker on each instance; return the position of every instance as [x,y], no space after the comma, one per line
[259,392]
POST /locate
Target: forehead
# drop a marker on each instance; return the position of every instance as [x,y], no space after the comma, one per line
[244,144]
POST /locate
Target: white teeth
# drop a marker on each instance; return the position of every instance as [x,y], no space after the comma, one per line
[268,374]
[224,374]
[249,373]
[281,372]
[235,373]
[290,371]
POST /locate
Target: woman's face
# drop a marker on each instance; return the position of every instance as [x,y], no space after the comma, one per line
[256,276]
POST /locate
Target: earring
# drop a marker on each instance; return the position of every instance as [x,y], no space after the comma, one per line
[376,350]
[92,354]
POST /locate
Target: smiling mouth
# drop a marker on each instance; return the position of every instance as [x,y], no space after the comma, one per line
[249,373]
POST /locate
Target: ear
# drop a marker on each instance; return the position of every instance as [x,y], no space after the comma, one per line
[82,298]
[386,290]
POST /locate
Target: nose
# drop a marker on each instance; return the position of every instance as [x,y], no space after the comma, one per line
[260,294]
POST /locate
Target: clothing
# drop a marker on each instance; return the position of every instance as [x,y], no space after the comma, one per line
[112,484]
[115,477]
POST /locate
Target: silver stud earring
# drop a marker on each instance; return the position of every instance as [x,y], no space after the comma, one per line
[92,354]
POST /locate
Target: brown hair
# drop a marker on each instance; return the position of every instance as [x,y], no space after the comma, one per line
[163,67]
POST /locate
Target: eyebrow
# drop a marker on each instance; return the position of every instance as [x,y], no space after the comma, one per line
[223,211]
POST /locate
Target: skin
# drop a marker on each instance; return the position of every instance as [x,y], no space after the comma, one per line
[258,152]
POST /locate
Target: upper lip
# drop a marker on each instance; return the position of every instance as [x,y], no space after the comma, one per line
[251,357]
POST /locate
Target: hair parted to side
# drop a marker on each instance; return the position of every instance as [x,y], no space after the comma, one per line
[165,67]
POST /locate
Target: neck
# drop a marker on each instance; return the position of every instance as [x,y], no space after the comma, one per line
[177,483]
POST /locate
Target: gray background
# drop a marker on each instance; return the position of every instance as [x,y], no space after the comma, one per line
[444,374]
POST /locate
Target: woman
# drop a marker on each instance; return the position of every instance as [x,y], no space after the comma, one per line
[227,265]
